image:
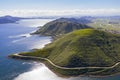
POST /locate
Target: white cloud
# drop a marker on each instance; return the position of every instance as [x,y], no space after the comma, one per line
[75,12]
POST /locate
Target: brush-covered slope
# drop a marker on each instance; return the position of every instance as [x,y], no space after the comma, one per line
[86,47]
[60,26]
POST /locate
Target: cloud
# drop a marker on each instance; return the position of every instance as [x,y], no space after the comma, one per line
[76,12]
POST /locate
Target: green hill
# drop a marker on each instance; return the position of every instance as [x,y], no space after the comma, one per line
[60,26]
[83,48]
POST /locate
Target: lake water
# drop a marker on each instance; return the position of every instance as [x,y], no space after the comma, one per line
[12,40]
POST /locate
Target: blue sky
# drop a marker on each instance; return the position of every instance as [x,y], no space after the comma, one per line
[58,5]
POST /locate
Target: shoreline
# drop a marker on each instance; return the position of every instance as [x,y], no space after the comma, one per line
[52,67]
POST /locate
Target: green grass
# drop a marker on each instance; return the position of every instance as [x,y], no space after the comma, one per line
[37,53]
[82,48]
[91,48]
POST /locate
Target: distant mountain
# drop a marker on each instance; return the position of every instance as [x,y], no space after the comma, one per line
[62,26]
[83,48]
[8,19]
[80,20]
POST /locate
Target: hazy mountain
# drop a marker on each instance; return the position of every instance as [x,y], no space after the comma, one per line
[8,19]
[61,26]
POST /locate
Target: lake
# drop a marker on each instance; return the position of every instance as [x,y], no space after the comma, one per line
[15,38]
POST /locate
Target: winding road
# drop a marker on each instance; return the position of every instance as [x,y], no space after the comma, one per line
[66,67]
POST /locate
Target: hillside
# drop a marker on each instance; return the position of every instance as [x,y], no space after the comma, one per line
[61,26]
[83,48]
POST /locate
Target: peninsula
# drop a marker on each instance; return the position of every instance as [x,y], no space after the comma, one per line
[80,52]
